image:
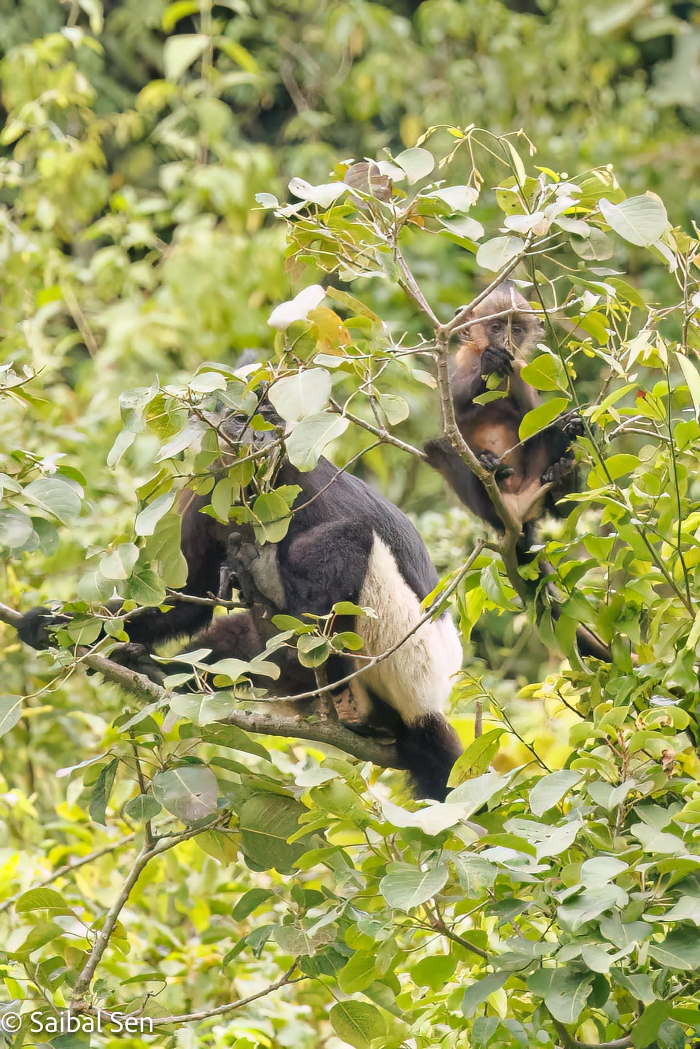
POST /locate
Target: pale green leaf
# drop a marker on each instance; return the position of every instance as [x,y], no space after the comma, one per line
[189,792]
[640,220]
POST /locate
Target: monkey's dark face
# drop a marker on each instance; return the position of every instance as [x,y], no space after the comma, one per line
[516,332]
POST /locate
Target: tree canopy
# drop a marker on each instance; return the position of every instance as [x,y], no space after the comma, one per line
[199,200]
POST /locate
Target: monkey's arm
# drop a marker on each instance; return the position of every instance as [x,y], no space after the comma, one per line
[468,488]
[204,554]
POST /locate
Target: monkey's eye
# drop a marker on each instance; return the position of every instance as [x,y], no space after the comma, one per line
[517,329]
[496,325]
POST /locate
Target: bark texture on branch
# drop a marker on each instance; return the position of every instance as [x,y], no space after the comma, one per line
[312,724]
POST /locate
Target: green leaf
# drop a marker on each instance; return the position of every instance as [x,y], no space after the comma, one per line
[205,708]
[302,395]
[416,162]
[119,562]
[101,792]
[272,514]
[234,738]
[545,372]
[188,792]
[38,899]
[541,417]
[478,992]
[647,1026]
[248,902]
[58,497]
[357,1023]
[181,51]
[313,650]
[496,253]
[615,466]
[549,790]
[680,950]
[476,758]
[141,808]
[434,971]
[477,792]
[16,529]
[590,904]
[395,408]
[149,517]
[358,973]
[266,821]
[599,870]
[10,712]
[640,220]
[406,887]
[310,438]
[692,378]
[565,991]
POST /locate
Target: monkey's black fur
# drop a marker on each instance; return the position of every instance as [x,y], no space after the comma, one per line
[323,559]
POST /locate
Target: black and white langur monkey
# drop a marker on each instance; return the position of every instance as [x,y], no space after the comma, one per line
[346,542]
[499,345]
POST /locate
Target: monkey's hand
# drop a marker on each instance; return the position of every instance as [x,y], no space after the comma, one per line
[559,470]
[35,627]
[495,465]
[136,657]
[496,361]
[571,425]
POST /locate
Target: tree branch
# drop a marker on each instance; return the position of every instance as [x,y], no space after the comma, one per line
[312,726]
[110,920]
[202,1014]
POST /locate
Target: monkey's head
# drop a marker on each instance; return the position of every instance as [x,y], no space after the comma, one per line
[505,321]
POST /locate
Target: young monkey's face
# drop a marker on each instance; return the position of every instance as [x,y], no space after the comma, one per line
[513,332]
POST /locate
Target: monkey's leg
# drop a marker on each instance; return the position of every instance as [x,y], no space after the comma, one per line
[320,567]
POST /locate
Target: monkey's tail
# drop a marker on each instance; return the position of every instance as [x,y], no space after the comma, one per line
[587,642]
[428,748]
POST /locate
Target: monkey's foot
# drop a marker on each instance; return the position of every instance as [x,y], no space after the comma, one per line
[495,465]
[559,470]
[495,360]
[351,712]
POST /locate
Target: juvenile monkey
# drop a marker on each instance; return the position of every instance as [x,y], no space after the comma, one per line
[498,344]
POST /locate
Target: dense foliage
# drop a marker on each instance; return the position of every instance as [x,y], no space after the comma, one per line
[156,857]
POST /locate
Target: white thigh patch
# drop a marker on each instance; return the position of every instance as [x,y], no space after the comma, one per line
[416,679]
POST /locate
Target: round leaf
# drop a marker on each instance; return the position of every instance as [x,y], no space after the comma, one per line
[302,395]
[640,220]
[496,253]
[406,887]
[188,792]
[416,162]
[357,1023]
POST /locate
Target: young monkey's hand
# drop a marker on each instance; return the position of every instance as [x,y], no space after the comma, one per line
[495,465]
[572,425]
[496,361]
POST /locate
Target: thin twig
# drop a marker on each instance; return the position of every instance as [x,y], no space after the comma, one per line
[68,868]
